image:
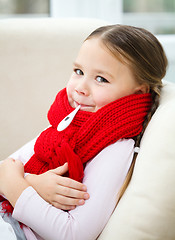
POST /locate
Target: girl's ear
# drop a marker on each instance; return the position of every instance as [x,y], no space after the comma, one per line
[144,88]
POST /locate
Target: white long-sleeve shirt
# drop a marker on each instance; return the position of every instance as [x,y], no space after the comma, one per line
[103,176]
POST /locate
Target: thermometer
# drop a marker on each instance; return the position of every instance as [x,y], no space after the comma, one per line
[68,119]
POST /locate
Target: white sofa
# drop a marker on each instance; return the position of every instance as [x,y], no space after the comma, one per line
[35,62]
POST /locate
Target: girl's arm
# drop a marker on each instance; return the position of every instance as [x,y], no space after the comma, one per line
[104,176]
[61,192]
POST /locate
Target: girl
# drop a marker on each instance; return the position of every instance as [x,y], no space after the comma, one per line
[115,89]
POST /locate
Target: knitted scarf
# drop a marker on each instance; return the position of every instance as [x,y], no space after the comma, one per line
[88,133]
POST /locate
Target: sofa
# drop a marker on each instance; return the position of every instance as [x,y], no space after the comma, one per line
[36,58]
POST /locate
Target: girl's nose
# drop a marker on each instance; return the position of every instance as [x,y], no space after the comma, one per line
[82,89]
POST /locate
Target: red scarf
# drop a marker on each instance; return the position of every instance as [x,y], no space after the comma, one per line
[88,133]
[86,136]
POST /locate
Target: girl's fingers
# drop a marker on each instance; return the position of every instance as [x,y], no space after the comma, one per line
[67,202]
[61,170]
[63,207]
[70,192]
[67,181]
[70,183]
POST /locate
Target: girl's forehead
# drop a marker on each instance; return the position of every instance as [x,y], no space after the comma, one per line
[97,49]
[94,46]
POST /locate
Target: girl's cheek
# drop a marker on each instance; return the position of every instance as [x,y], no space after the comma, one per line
[69,86]
[100,99]
[70,89]
[71,83]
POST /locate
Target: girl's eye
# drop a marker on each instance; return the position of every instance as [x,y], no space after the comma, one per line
[101,80]
[78,71]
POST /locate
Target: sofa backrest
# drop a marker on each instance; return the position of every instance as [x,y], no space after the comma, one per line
[147,209]
[36,57]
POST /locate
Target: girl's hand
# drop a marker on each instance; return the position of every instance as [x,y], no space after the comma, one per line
[9,171]
[12,182]
[62,192]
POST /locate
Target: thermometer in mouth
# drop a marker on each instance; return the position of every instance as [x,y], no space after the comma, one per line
[68,119]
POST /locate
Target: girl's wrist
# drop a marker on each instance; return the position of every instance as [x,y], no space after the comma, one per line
[31,179]
[14,190]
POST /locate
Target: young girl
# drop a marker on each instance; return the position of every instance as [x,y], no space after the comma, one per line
[115,89]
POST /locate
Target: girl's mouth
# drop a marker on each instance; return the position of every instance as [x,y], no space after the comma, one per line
[84,107]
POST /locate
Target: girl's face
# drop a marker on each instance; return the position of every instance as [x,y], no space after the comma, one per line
[99,78]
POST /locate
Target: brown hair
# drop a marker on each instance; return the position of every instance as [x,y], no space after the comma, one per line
[143,53]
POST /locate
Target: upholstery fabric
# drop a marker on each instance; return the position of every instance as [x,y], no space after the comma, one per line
[147,209]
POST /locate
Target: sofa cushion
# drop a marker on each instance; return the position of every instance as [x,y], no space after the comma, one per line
[147,209]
